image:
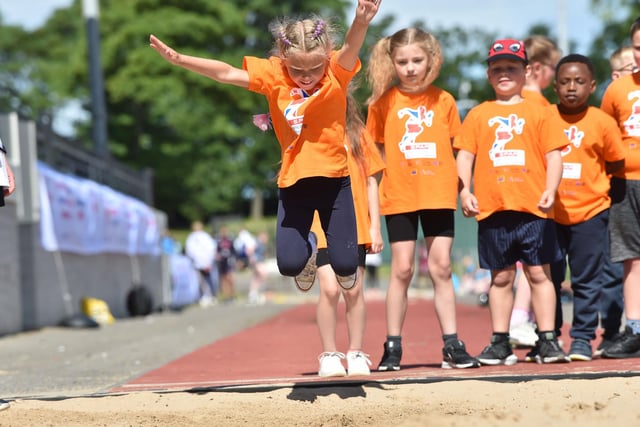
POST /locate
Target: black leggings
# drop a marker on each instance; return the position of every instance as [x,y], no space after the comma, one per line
[333,200]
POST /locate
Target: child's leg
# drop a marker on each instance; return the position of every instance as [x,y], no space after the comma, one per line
[586,259]
[439,260]
[543,295]
[292,233]
[339,225]
[631,289]
[356,312]
[522,301]
[501,298]
[327,309]
[402,265]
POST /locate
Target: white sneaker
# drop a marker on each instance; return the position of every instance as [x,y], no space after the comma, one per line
[523,335]
[4,405]
[331,364]
[358,363]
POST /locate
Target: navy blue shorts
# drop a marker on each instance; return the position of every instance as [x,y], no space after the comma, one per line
[435,222]
[507,237]
[323,256]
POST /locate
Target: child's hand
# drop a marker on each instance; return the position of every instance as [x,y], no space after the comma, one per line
[546,201]
[469,204]
[165,51]
[367,9]
[377,244]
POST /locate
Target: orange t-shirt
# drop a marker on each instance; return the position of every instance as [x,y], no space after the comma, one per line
[594,138]
[359,173]
[536,96]
[621,100]
[416,131]
[309,127]
[509,143]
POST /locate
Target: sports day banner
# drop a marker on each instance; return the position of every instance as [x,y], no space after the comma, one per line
[81,216]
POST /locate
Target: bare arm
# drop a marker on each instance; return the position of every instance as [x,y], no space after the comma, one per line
[365,11]
[12,182]
[377,243]
[554,175]
[212,68]
[464,164]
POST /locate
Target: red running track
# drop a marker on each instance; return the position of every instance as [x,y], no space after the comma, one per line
[283,351]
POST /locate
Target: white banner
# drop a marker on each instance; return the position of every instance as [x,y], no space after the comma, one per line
[81,216]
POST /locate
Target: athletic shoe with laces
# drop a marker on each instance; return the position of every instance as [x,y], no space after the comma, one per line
[391,358]
[580,350]
[454,355]
[304,280]
[358,363]
[331,364]
[523,335]
[607,340]
[498,352]
[627,345]
[549,350]
[347,282]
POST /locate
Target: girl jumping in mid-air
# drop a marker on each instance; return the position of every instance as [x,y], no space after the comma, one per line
[305,84]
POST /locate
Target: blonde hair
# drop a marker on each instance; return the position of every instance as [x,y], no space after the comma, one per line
[381,73]
[355,128]
[294,36]
[542,49]
[617,60]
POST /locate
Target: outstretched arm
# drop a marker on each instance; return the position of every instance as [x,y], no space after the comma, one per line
[212,68]
[365,12]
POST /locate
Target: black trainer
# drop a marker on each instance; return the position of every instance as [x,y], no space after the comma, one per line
[549,350]
[454,355]
[627,345]
[391,358]
[607,340]
[497,353]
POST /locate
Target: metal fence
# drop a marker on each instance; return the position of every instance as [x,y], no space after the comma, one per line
[71,157]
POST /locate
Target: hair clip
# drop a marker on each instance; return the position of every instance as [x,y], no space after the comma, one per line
[320,27]
[283,38]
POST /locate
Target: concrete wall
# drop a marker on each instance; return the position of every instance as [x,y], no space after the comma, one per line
[40,288]
[10,289]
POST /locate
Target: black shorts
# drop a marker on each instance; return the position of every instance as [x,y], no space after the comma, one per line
[435,222]
[323,256]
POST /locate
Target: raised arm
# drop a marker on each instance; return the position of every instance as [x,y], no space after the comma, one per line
[212,68]
[365,12]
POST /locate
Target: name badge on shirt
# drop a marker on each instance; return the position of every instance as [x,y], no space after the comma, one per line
[419,150]
[509,158]
[571,170]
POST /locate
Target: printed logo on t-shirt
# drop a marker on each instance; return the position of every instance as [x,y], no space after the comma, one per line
[413,126]
[572,170]
[632,124]
[504,133]
[575,136]
[291,112]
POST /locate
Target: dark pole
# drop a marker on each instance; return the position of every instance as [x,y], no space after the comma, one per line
[98,106]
